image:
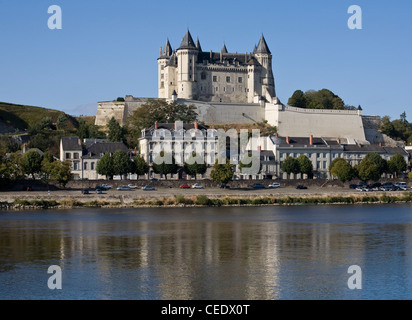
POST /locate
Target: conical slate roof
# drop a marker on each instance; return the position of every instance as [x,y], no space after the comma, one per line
[224,49]
[262,46]
[187,42]
[167,50]
[198,45]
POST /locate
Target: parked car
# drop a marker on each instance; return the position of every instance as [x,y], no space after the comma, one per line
[148,188]
[105,186]
[353,186]
[401,185]
[274,185]
[123,188]
[154,180]
[376,186]
[99,191]
[300,187]
[224,186]
[132,186]
[388,186]
[363,189]
[258,186]
[184,186]
[197,186]
[85,191]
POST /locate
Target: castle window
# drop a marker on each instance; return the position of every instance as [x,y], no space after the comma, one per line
[240,79]
[217,89]
[214,78]
[85,165]
[203,76]
[162,67]
[162,84]
[162,76]
[228,79]
[92,165]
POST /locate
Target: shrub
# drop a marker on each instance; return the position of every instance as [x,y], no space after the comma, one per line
[203,200]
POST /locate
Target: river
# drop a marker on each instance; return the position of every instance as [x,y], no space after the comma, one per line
[254,253]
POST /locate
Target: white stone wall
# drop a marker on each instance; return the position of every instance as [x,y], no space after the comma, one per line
[299,122]
[108,109]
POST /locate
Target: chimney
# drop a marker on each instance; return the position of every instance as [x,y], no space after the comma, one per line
[155,125]
[287,140]
[311,140]
[175,125]
[338,140]
[196,125]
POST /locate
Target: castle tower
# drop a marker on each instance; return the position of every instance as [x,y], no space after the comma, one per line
[187,55]
[165,55]
[264,57]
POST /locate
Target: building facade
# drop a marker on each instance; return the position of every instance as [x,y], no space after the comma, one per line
[195,74]
[83,155]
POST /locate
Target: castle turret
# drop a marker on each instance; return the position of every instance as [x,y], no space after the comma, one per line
[264,56]
[165,55]
[187,55]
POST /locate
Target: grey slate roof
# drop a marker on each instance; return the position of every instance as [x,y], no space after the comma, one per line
[96,149]
[71,143]
[167,50]
[187,42]
[262,46]
[224,49]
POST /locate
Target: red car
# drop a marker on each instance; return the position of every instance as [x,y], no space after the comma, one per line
[184,186]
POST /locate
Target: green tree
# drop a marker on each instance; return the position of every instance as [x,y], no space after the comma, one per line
[397,164]
[10,168]
[195,165]
[290,165]
[376,159]
[105,166]
[341,169]
[139,166]
[165,164]
[46,167]
[61,172]
[31,163]
[305,165]
[368,170]
[121,163]
[62,121]
[321,99]
[116,132]
[298,99]
[222,173]
[162,112]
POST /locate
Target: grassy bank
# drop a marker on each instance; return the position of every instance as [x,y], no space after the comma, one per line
[204,201]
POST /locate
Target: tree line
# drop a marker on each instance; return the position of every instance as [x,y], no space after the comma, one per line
[16,166]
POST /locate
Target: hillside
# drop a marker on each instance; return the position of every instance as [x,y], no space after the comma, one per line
[15,116]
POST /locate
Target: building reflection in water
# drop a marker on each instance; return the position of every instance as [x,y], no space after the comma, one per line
[219,255]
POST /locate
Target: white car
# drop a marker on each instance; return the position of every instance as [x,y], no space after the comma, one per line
[197,186]
[123,188]
[132,186]
[274,185]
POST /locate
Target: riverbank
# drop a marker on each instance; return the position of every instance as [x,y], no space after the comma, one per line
[172,197]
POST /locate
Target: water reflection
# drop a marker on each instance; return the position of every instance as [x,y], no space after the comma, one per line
[222,253]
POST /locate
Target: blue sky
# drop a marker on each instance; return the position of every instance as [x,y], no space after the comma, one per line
[109,48]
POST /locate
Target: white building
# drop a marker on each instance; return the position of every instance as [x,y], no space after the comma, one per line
[84,155]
